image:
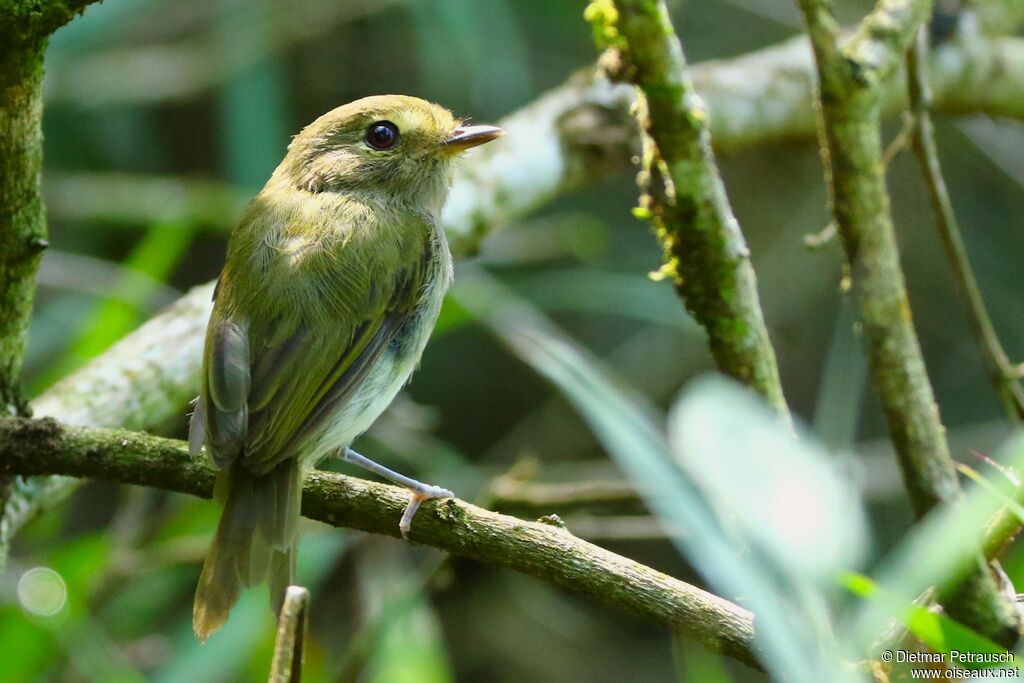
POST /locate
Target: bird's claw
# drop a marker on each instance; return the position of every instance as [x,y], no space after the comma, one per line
[415,499]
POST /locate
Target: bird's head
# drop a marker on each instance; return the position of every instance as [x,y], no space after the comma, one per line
[390,146]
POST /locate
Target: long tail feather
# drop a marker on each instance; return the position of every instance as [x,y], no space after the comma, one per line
[255,542]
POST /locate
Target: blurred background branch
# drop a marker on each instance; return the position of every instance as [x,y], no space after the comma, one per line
[581,133]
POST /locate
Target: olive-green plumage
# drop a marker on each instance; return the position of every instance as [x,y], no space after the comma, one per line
[333,281]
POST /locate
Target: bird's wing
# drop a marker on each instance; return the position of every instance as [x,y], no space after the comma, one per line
[268,388]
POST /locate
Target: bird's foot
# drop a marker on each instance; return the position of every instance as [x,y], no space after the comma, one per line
[416,496]
[418,491]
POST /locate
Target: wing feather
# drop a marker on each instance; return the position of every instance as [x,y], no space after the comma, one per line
[226,388]
[268,389]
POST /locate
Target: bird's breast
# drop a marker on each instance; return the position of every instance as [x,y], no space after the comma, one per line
[395,366]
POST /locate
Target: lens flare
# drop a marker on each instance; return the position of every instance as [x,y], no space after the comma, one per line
[42,592]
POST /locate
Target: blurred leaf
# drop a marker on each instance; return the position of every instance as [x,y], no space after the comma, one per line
[1002,142]
[695,663]
[937,631]
[592,290]
[134,199]
[938,551]
[90,650]
[80,561]
[31,648]
[136,607]
[94,654]
[410,647]
[791,614]
[188,516]
[785,495]
[252,103]
[228,650]
[453,316]
[1011,505]
[402,634]
[483,44]
[95,27]
[837,407]
[155,256]
[575,236]
[246,641]
[87,274]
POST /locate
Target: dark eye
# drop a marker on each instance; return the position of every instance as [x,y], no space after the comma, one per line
[382,135]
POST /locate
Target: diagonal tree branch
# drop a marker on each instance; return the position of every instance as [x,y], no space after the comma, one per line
[706,255]
[850,76]
[550,553]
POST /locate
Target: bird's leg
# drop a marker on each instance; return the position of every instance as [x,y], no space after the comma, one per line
[418,491]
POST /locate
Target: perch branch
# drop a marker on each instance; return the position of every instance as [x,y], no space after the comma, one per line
[148,378]
[548,552]
[850,75]
[706,255]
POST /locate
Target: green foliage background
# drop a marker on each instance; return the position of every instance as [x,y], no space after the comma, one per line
[208,94]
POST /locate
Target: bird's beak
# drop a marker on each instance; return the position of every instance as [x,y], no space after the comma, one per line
[464,137]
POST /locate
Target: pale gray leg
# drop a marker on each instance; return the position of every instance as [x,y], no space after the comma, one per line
[419,491]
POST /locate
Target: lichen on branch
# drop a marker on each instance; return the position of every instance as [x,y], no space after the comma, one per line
[22,221]
[682,193]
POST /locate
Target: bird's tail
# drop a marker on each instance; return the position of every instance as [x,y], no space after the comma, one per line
[255,541]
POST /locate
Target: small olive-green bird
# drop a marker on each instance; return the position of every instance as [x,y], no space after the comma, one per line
[333,282]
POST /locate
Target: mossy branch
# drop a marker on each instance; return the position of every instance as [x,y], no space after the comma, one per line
[706,255]
[548,552]
[26,22]
[22,220]
[850,77]
[25,26]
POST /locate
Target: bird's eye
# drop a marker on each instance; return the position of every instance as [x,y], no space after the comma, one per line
[382,135]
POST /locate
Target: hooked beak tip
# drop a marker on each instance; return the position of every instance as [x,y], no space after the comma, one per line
[464,137]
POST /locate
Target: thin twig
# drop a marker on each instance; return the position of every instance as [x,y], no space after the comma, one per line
[1003,373]
[289,648]
[619,528]
[899,141]
[822,238]
[508,491]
